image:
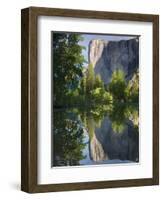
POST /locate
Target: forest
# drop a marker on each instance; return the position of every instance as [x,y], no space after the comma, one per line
[91,119]
[75,82]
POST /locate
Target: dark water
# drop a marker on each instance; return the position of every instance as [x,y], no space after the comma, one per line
[107,135]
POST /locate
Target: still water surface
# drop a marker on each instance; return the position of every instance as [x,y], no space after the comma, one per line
[95,136]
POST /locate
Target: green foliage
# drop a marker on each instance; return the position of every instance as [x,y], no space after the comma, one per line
[82,88]
[132,90]
[68,140]
[108,98]
[117,86]
[67,64]
[74,84]
[90,79]
[91,88]
[118,117]
[123,91]
[118,127]
[97,93]
[132,113]
[98,82]
[120,113]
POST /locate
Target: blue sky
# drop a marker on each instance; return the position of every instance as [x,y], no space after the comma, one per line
[89,37]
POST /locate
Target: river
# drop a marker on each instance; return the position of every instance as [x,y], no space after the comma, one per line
[91,136]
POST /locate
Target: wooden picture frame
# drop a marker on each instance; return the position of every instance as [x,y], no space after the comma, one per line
[29,97]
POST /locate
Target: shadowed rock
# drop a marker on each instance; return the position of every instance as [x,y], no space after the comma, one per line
[123,146]
[107,56]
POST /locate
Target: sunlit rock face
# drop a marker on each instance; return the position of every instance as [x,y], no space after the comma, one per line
[96,150]
[107,56]
[96,48]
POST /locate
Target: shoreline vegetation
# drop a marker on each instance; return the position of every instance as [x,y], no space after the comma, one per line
[75,84]
[92,95]
[92,91]
[82,99]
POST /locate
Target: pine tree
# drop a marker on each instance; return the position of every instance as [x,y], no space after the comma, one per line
[90,79]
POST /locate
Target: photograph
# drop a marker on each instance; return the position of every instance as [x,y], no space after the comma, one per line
[95,99]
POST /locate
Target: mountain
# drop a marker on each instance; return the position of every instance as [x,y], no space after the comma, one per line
[107,56]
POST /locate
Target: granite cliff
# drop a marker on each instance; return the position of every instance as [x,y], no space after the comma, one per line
[107,56]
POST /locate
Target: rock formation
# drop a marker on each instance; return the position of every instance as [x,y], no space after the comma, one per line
[107,56]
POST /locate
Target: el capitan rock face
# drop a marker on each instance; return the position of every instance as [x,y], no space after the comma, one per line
[107,56]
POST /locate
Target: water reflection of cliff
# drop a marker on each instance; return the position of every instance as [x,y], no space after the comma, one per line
[123,146]
[86,137]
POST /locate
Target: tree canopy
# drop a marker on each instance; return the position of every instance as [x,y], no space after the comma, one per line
[67,63]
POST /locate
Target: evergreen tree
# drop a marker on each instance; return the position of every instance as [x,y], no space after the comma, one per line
[67,64]
[118,85]
[90,79]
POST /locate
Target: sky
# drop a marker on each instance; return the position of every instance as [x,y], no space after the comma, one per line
[88,37]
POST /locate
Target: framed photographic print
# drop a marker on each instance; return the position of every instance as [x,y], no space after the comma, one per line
[90,99]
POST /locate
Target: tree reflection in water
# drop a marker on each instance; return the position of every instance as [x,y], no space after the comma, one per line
[96,135]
